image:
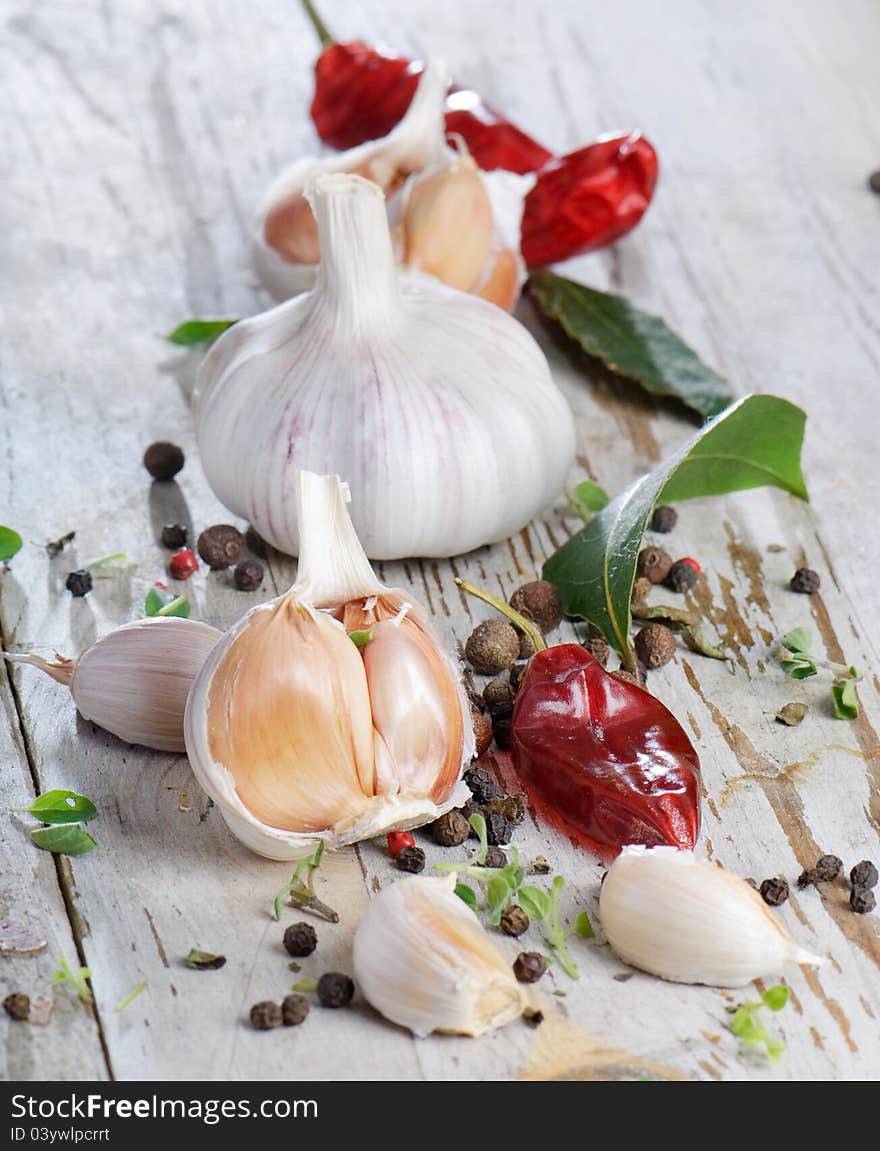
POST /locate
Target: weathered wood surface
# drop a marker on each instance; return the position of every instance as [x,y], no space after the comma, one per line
[137,140]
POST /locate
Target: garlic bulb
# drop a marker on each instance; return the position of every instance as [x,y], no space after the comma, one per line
[134,681]
[422,959]
[330,713]
[286,245]
[689,921]
[438,408]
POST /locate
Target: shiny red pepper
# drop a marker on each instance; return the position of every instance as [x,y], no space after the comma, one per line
[585,200]
[603,757]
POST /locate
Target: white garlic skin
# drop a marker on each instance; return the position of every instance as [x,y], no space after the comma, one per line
[424,961]
[134,681]
[437,407]
[689,921]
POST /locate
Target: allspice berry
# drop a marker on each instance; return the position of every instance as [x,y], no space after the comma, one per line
[653,564]
[163,460]
[540,602]
[514,920]
[498,696]
[641,589]
[664,519]
[335,990]
[266,1015]
[450,829]
[17,1006]
[300,939]
[492,646]
[495,857]
[482,731]
[682,576]
[294,1009]
[596,643]
[805,581]
[529,966]
[655,645]
[220,546]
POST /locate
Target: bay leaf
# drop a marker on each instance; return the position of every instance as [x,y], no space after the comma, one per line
[755,442]
[631,343]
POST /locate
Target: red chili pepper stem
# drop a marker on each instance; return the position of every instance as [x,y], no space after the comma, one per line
[519,621]
[321,29]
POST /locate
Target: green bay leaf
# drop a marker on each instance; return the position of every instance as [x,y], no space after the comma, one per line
[594,571]
[631,343]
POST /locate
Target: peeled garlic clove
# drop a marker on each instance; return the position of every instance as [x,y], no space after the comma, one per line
[299,734]
[438,408]
[134,681]
[287,246]
[689,921]
[423,960]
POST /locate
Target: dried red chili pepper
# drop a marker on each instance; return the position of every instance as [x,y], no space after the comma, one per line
[602,756]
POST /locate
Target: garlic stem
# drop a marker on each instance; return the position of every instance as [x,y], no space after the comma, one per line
[333,567]
[357,278]
[526,626]
[61,671]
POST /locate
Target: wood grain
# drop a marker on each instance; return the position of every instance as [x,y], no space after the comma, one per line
[138,142]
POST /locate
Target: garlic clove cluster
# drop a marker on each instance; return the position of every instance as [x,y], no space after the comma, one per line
[423,960]
[689,921]
[331,713]
[134,681]
[438,408]
[287,245]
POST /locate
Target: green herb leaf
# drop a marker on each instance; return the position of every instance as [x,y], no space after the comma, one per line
[204,960]
[68,839]
[631,343]
[799,640]
[198,331]
[10,544]
[361,637]
[534,902]
[157,604]
[154,602]
[696,640]
[745,1028]
[801,667]
[478,823]
[74,976]
[107,567]
[776,997]
[497,892]
[845,700]
[583,926]
[132,995]
[61,807]
[757,441]
[587,499]
[466,894]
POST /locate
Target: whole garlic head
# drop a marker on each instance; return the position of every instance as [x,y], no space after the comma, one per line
[331,713]
[422,959]
[438,407]
[689,921]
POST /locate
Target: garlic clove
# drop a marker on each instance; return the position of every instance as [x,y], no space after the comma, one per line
[422,959]
[501,285]
[134,681]
[290,725]
[689,921]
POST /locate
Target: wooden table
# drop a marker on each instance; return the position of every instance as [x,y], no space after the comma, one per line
[137,140]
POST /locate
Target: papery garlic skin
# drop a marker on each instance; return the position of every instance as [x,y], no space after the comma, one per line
[689,921]
[286,248]
[438,408]
[134,681]
[424,961]
[299,735]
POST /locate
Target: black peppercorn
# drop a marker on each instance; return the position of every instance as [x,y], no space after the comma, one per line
[498,830]
[501,732]
[410,859]
[482,784]
[335,990]
[294,1009]
[173,536]
[512,807]
[805,580]
[17,1006]
[653,564]
[300,939]
[664,519]
[495,857]
[514,920]
[163,460]
[515,675]
[492,646]
[79,583]
[220,546]
[682,576]
[498,696]
[862,900]
[864,874]
[529,966]
[828,868]
[532,1017]
[540,602]
[248,575]
[774,891]
[266,1015]
[450,829]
